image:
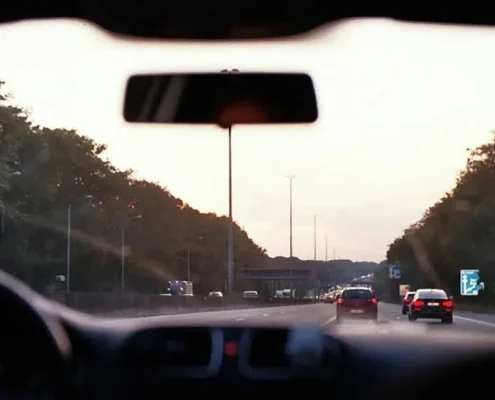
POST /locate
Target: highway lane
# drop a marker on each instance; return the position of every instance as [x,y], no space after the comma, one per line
[321,314]
[390,318]
[464,321]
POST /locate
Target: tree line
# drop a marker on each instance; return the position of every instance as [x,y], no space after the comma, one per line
[47,173]
[457,232]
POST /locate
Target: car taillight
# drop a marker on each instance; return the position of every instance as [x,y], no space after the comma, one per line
[407,301]
[418,303]
[373,300]
[340,301]
[447,303]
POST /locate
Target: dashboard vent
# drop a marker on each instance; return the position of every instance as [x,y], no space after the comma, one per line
[268,349]
[171,347]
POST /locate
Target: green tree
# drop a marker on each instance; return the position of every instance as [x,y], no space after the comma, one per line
[458,232]
[59,168]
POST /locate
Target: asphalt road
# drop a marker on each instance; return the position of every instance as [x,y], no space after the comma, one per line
[390,318]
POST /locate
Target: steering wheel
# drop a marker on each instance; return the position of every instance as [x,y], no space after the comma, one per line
[34,348]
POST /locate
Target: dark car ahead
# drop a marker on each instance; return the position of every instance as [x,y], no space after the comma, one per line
[358,303]
[431,303]
[406,301]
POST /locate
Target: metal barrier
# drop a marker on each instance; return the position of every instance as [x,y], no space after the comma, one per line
[102,303]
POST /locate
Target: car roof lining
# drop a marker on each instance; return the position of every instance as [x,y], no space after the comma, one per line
[215,20]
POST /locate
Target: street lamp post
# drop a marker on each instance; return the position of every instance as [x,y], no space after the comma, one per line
[230,251]
[69,233]
[189,264]
[122,254]
[314,236]
[291,178]
[230,237]
[189,259]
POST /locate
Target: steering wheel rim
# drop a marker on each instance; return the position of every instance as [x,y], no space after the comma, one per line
[33,340]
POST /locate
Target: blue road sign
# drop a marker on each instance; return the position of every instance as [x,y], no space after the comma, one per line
[394,271]
[470,282]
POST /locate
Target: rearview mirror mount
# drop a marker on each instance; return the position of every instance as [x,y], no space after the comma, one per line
[224,99]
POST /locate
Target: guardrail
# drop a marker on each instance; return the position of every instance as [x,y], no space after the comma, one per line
[147,304]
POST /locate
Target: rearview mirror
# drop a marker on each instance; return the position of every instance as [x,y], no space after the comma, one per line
[224,99]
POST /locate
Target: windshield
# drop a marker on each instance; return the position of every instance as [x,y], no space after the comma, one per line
[431,294]
[391,189]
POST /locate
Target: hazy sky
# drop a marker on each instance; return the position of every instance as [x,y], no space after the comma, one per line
[399,105]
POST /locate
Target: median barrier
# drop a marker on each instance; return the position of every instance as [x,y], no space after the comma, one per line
[151,304]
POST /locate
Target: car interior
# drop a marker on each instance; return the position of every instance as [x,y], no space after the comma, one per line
[57,352]
[51,351]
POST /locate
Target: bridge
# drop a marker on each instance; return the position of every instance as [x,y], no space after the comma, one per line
[366,280]
[296,277]
[268,280]
[296,274]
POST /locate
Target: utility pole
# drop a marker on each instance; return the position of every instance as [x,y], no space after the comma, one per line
[230,237]
[122,259]
[189,264]
[291,178]
[314,236]
[326,248]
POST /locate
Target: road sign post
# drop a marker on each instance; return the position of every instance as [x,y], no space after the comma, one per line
[394,271]
[470,282]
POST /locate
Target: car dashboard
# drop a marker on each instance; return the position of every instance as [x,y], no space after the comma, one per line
[50,351]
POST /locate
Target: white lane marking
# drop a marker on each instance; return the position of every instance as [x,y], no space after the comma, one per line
[456,317]
[265,315]
[240,319]
[250,312]
[477,321]
[328,322]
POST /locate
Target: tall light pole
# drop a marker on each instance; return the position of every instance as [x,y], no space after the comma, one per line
[69,233]
[326,248]
[122,253]
[189,259]
[189,263]
[230,237]
[291,178]
[314,236]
